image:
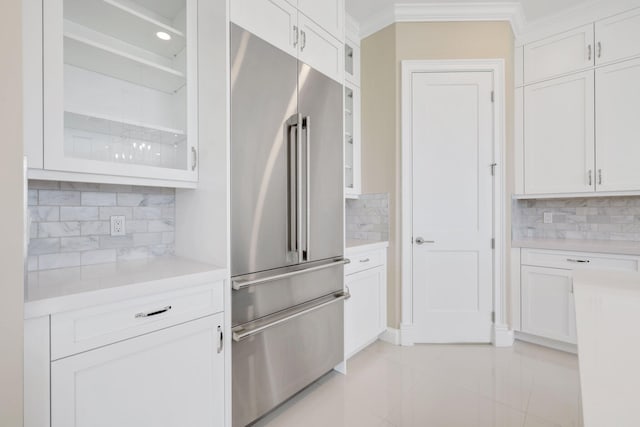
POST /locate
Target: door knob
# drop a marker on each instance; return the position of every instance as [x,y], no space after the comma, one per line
[421,241]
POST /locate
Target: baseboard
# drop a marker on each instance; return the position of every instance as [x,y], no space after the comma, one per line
[391,335]
[546,342]
[502,336]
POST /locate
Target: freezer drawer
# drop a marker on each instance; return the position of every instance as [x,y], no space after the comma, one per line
[278,356]
[258,295]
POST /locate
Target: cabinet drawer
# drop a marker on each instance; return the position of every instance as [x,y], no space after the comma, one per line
[573,260]
[364,261]
[77,331]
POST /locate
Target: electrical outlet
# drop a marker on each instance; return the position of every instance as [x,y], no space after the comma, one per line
[548,217]
[118,226]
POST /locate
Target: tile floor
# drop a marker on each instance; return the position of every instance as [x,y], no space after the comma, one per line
[442,386]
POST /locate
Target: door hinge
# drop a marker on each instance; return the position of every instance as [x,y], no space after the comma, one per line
[493,317]
[493,243]
[493,96]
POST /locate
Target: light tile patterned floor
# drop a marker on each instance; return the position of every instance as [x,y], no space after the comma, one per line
[442,386]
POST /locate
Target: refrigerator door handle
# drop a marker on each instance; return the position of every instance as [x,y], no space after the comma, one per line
[306,126]
[293,186]
[239,284]
[245,331]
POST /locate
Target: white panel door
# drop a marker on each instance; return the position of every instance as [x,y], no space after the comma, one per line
[561,54]
[329,14]
[170,378]
[618,37]
[320,49]
[559,135]
[618,126]
[548,308]
[452,116]
[274,21]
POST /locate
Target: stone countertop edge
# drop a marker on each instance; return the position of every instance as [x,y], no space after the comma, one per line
[598,246]
[355,246]
[54,291]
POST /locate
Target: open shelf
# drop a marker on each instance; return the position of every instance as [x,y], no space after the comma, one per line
[128,22]
[122,128]
[82,49]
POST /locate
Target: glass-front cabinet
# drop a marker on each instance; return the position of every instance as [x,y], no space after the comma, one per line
[351,140]
[120,87]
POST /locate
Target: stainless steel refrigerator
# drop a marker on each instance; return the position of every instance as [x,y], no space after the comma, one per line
[287,216]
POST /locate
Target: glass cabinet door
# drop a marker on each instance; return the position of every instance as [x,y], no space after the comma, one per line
[349,154]
[120,87]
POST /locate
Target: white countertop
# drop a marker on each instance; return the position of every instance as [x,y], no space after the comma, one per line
[599,246]
[365,245]
[54,291]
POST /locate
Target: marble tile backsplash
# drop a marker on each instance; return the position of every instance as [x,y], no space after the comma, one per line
[70,223]
[597,218]
[367,217]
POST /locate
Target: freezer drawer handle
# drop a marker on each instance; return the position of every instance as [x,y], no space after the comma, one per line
[243,332]
[153,313]
[244,283]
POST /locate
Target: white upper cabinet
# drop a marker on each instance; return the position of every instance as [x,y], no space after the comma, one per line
[561,54]
[120,88]
[272,20]
[300,34]
[329,14]
[618,37]
[618,126]
[559,135]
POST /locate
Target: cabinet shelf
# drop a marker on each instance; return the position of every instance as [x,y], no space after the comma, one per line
[93,55]
[129,22]
[101,124]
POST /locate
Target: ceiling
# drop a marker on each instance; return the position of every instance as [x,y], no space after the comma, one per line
[362,10]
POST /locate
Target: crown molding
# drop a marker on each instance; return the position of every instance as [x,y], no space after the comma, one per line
[443,12]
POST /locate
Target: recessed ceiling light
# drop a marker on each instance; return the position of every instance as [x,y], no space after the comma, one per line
[163,36]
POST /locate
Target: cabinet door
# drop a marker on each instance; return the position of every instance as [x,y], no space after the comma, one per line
[320,50]
[329,14]
[548,308]
[561,54]
[618,37]
[120,88]
[364,311]
[274,21]
[169,378]
[618,127]
[559,135]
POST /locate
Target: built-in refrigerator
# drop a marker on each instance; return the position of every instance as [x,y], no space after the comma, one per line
[287,216]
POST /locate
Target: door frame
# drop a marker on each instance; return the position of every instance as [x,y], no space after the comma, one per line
[502,336]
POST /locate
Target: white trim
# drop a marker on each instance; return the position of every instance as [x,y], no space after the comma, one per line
[546,342]
[496,66]
[442,12]
[51,175]
[589,194]
[391,335]
[502,336]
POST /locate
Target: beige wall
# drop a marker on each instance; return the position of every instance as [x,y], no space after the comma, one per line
[382,54]
[11,246]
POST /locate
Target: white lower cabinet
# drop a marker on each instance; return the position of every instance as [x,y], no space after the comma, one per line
[547,303]
[166,378]
[365,313]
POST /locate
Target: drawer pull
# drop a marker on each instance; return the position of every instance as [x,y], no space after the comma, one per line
[365,260]
[153,313]
[580,261]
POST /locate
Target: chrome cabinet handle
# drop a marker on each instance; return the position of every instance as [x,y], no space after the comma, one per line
[221,340]
[599,49]
[194,159]
[247,330]
[599,176]
[154,313]
[589,52]
[365,260]
[239,284]
[304,41]
[421,241]
[296,36]
[579,261]
[590,177]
